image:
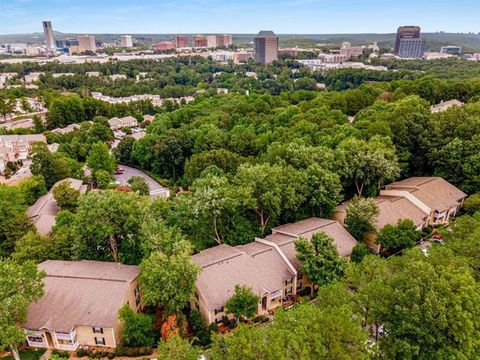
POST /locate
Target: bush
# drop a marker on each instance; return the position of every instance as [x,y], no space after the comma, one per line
[213,327]
[260,319]
[196,321]
[60,354]
[359,251]
[83,352]
[472,204]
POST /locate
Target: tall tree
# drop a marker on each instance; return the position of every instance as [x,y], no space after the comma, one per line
[99,158]
[137,329]
[168,281]
[176,348]
[20,285]
[65,196]
[361,215]
[107,226]
[368,163]
[319,259]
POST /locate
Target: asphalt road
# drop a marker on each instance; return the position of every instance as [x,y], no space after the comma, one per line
[156,189]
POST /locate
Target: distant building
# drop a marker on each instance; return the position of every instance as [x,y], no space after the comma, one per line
[211,41]
[445,105]
[126,41]
[87,43]
[293,52]
[17,147]
[200,41]
[181,41]
[164,45]
[451,50]
[224,40]
[265,47]
[348,50]
[436,56]
[332,58]
[242,56]
[406,32]
[48,32]
[411,48]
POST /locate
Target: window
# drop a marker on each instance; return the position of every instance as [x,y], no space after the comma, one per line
[299,276]
[219,319]
[288,282]
[197,306]
[288,291]
[100,341]
[218,310]
[97,330]
[36,339]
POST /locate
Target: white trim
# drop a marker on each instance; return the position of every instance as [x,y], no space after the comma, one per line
[113,336]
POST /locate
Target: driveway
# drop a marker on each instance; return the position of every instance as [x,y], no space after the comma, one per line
[156,189]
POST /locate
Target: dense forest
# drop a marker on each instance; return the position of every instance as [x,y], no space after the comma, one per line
[241,163]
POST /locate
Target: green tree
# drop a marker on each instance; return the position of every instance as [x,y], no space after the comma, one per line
[53,167]
[103,179]
[34,247]
[38,125]
[168,281]
[243,303]
[138,183]
[107,226]
[137,328]
[369,163]
[319,259]
[361,215]
[99,158]
[65,196]
[124,149]
[472,204]
[401,236]
[176,348]
[13,223]
[359,251]
[20,285]
[32,188]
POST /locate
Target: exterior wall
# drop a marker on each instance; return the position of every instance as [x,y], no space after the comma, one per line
[86,336]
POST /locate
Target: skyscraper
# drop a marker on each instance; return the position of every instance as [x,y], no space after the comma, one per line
[87,43]
[411,48]
[49,39]
[406,32]
[265,47]
[126,41]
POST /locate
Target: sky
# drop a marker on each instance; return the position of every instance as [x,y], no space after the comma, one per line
[238,16]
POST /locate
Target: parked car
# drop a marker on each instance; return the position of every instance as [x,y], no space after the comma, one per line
[119,171]
[437,238]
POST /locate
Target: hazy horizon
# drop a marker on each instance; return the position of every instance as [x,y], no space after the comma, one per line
[238,17]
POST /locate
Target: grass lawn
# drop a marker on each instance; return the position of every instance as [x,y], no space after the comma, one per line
[28,354]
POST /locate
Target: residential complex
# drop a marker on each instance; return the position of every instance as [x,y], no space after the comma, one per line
[81,303]
[427,201]
[268,266]
[181,41]
[451,50]
[17,147]
[265,47]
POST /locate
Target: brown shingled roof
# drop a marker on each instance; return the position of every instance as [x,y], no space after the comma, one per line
[87,293]
[435,192]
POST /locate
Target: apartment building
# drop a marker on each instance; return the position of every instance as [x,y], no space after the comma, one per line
[427,201]
[265,46]
[268,266]
[81,303]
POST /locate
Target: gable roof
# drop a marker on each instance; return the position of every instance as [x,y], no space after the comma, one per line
[87,293]
[45,209]
[435,192]
[262,265]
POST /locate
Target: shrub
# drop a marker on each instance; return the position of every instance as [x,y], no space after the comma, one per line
[213,327]
[359,251]
[260,319]
[196,321]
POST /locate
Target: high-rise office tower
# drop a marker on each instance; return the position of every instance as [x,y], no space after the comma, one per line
[87,43]
[126,41]
[48,31]
[411,48]
[406,32]
[265,47]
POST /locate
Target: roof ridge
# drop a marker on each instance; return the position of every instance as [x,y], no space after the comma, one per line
[240,253]
[87,278]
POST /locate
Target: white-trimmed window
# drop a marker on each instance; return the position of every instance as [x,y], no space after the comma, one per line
[99,340]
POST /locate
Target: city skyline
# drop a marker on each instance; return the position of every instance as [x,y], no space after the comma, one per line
[215,16]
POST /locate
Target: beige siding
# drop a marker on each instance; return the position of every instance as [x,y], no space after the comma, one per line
[86,336]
